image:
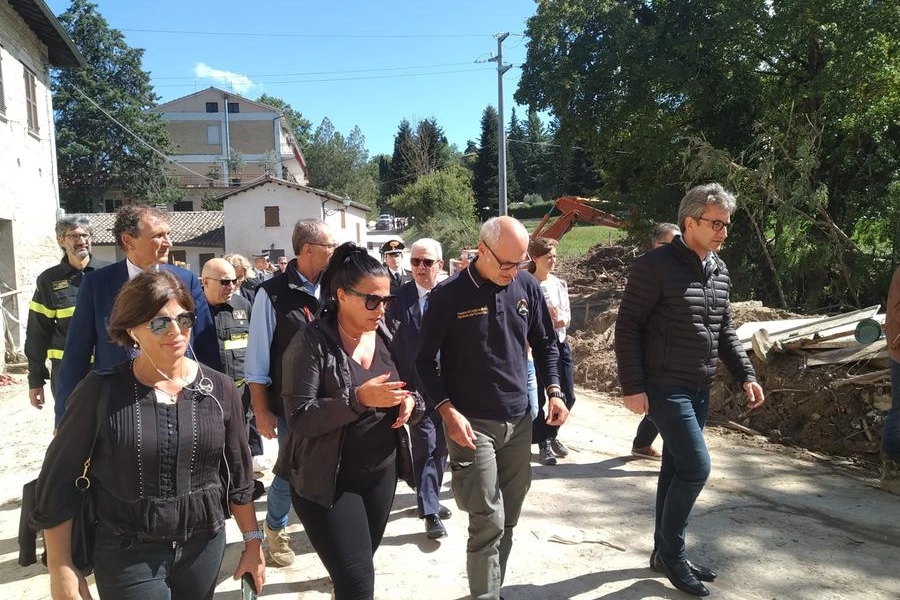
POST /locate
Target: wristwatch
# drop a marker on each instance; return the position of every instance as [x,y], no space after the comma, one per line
[555,392]
[254,535]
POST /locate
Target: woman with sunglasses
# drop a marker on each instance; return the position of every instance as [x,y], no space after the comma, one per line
[346,410]
[556,294]
[171,457]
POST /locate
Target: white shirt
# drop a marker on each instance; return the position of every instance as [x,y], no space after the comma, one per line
[134,270]
[556,293]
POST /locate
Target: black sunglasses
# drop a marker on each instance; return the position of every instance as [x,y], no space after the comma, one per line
[225,282]
[373,300]
[160,325]
[428,262]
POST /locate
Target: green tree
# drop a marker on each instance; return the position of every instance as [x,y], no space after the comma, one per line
[401,172]
[485,181]
[340,164]
[800,99]
[300,127]
[444,192]
[95,154]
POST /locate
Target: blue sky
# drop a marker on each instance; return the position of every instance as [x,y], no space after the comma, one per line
[366,64]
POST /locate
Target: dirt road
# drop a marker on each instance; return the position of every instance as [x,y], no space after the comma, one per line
[776,523]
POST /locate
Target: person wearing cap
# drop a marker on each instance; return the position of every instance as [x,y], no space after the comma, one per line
[392,252]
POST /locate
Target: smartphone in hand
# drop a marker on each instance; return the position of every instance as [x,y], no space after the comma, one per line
[248,587]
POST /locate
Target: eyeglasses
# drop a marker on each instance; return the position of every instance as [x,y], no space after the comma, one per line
[160,325]
[331,245]
[372,300]
[506,265]
[716,224]
[78,236]
[224,282]
[428,262]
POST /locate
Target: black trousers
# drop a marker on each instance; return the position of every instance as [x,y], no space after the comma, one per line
[346,535]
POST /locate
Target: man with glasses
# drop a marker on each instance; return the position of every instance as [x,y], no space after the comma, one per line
[673,325]
[282,307]
[427,436]
[142,232]
[53,304]
[472,364]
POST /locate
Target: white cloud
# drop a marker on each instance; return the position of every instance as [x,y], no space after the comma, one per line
[241,84]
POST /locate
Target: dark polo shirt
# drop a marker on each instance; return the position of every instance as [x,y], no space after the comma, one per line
[475,338]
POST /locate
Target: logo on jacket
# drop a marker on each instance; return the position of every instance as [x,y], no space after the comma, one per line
[60,285]
[472,312]
[522,307]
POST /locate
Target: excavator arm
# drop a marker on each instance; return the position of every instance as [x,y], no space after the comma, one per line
[568,210]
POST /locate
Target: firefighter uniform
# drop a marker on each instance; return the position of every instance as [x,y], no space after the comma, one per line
[232,321]
[49,314]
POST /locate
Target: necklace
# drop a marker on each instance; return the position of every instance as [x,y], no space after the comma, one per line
[341,329]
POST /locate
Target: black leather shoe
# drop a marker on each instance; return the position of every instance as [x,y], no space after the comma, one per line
[434,529]
[682,577]
[444,512]
[702,573]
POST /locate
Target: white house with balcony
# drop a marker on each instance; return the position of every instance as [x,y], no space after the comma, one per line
[223,140]
[31,41]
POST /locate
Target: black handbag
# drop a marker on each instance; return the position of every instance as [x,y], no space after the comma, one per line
[84,519]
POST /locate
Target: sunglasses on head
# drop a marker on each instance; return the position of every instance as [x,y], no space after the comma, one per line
[428,262]
[160,325]
[372,300]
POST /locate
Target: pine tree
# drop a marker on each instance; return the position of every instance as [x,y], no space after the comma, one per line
[94,154]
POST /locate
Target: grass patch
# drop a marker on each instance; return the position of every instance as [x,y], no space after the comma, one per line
[582,238]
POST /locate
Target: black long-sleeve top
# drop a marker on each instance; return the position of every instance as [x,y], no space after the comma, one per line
[480,333]
[141,492]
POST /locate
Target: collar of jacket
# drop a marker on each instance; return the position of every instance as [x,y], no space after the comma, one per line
[690,257]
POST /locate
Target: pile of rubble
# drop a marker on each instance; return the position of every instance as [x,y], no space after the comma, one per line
[825,390]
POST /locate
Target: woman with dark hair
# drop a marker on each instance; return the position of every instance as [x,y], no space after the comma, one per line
[346,411]
[170,458]
[556,294]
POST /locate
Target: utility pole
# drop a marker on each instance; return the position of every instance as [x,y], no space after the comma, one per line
[501,129]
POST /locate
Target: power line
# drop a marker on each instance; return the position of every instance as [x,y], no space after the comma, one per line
[334,79]
[315,35]
[144,142]
[369,70]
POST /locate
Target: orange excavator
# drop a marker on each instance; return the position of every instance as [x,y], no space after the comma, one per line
[567,211]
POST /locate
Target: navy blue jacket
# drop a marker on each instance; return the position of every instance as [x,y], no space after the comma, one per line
[88,337]
[482,332]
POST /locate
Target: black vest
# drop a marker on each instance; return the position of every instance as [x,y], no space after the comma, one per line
[294,309]
[233,330]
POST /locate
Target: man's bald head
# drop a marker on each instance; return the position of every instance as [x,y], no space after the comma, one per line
[504,244]
[215,271]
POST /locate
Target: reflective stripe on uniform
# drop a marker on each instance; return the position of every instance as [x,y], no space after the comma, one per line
[54,353]
[43,310]
[235,344]
[65,313]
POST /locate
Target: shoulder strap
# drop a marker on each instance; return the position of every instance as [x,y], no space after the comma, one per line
[102,411]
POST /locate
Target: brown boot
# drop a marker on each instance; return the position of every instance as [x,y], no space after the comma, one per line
[890,476]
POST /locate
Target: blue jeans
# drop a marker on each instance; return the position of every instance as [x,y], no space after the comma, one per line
[278,502]
[680,415]
[128,569]
[531,378]
[890,434]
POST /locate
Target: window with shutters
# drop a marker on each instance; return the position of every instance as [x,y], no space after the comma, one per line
[272,216]
[31,101]
[212,107]
[234,107]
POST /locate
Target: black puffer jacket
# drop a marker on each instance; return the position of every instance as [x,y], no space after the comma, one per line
[675,321]
[311,457]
